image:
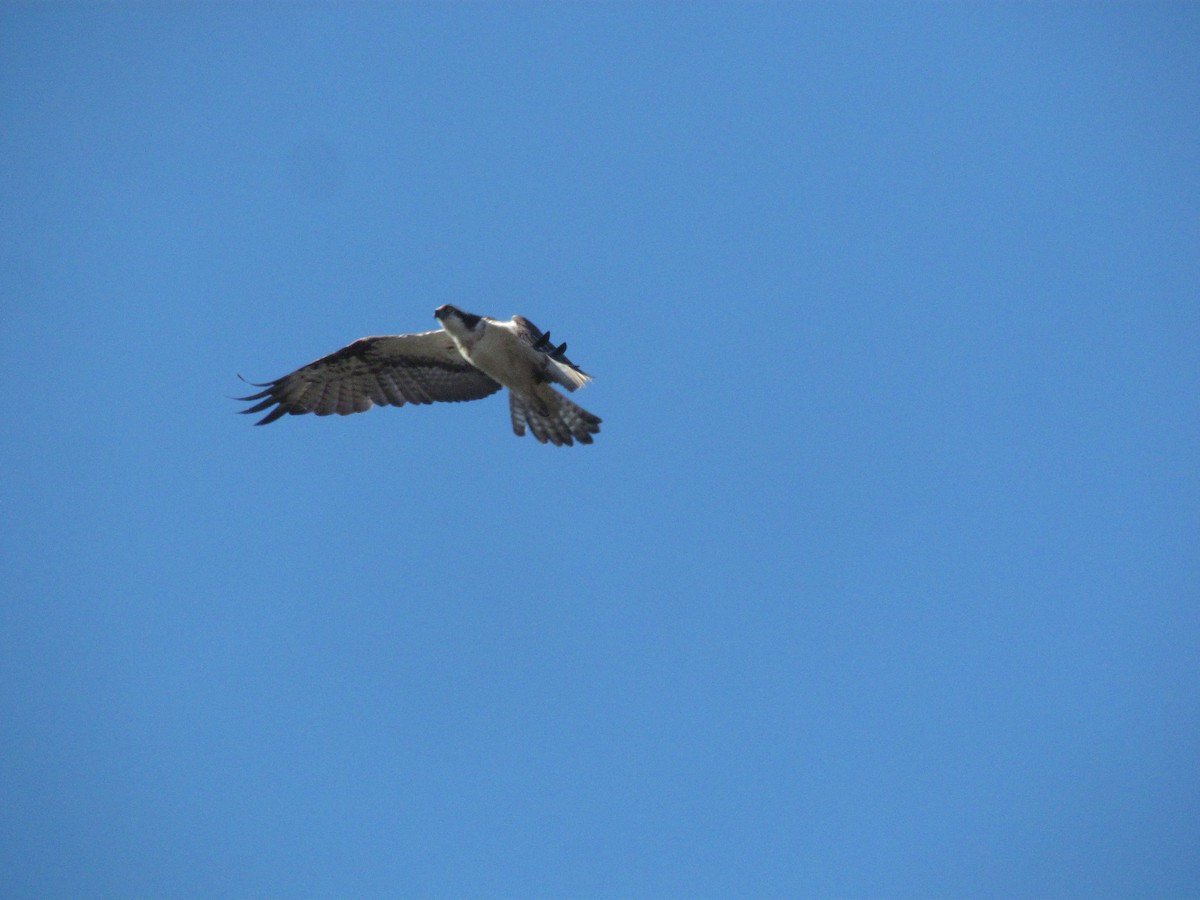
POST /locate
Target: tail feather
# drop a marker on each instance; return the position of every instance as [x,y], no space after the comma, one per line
[562,423]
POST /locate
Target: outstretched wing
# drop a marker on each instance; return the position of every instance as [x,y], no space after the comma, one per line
[375,371]
[560,369]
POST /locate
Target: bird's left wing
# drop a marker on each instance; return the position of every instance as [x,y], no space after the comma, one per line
[558,367]
[375,371]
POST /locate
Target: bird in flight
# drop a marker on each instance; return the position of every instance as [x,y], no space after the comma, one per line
[469,358]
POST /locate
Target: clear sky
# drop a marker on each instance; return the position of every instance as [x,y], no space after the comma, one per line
[881,580]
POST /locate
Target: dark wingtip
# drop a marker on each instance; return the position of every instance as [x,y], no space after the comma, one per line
[254,383]
[270,417]
[266,384]
[259,407]
[558,353]
[268,393]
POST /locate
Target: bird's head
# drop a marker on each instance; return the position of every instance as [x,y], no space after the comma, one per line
[455,321]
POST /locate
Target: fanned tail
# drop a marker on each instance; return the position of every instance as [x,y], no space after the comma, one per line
[552,418]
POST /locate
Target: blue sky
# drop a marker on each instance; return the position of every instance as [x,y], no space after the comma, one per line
[880,580]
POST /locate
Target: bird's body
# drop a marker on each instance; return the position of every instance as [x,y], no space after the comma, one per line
[470,358]
[490,347]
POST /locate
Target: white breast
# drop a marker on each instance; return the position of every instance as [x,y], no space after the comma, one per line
[498,352]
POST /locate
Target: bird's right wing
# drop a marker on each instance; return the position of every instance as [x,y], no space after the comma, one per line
[375,371]
[560,369]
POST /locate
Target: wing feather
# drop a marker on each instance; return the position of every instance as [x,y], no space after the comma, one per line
[375,371]
[558,368]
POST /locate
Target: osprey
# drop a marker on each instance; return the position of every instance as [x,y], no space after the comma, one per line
[471,357]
